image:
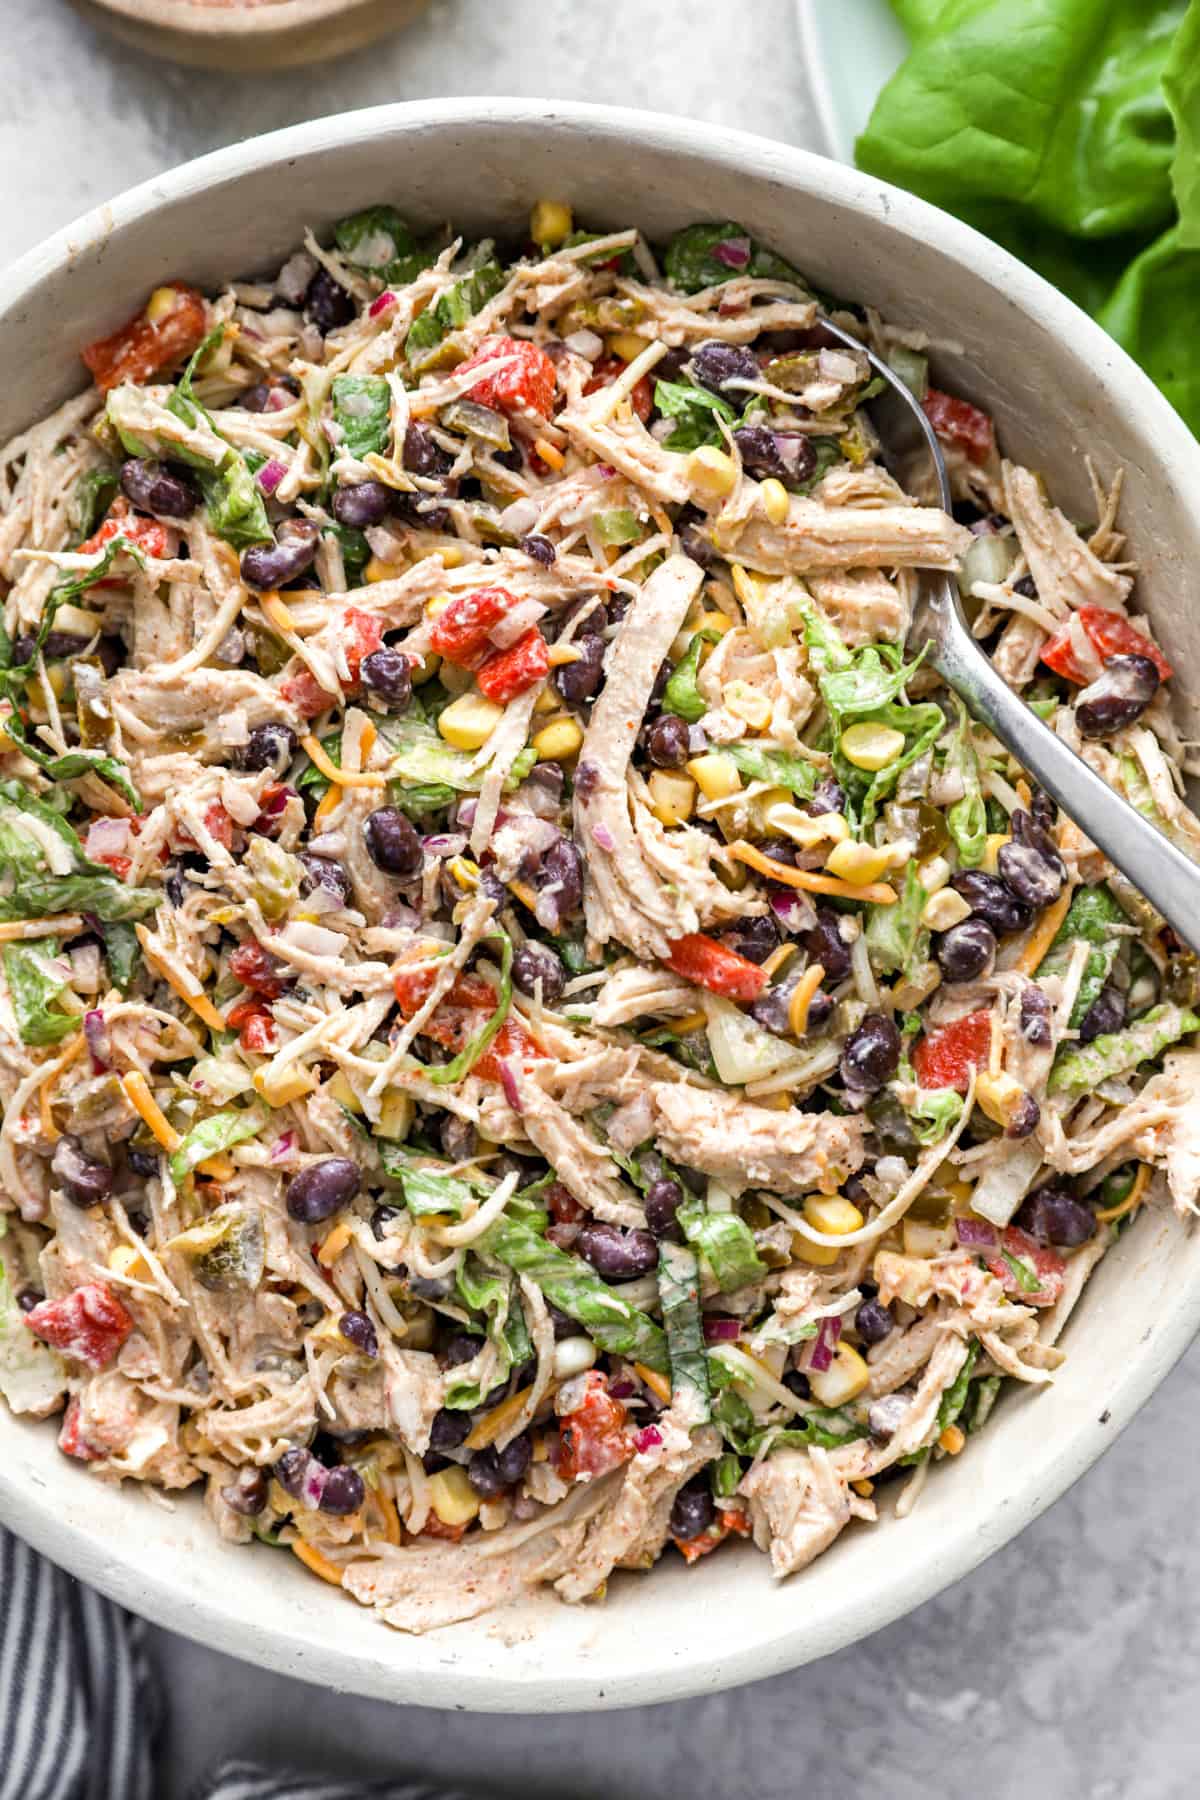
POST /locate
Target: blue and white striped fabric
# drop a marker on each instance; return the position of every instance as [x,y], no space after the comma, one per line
[80,1717]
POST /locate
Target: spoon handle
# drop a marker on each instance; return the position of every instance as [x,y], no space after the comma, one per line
[1168,878]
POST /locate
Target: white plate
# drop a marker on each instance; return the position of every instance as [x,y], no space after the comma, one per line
[851,48]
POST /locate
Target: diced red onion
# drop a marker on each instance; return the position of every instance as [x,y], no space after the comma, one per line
[508,1082]
[312,1484]
[605,471]
[444,843]
[399,917]
[793,911]
[292,281]
[975,1234]
[733,252]
[96,1037]
[697,740]
[516,622]
[720,1330]
[604,837]
[824,1344]
[283,1146]
[621,1390]
[648,1438]
[381,303]
[276,802]
[271,474]
[465,813]
[107,837]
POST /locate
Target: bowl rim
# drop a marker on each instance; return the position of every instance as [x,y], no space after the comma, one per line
[696,1669]
[270,18]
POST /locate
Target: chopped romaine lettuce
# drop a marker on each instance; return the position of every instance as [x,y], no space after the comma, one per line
[896,938]
[1080,1068]
[30,887]
[697,414]
[362,413]
[702,256]
[574,1287]
[210,1136]
[34,983]
[679,1292]
[725,1242]
[378,242]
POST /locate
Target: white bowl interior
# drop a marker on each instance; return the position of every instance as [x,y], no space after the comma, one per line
[1059,389]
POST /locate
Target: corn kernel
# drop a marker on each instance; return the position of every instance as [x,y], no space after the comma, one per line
[559,655]
[778,1102]
[547,701]
[379,570]
[626,345]
[714,621]
[834,1215]
[933,874]
[747,703]
[806,829]
[776,500]
[161,305]
[288,1084]
[871,746]
[864,1488]
[453,1498]
[921,1237]
[396,1114]
[843,1380]
[712,472]
[436,604]
[859,864]
[993,845]
[125,1260]
[338,1088]
[558,740]
[550,222]
[672,797]
[715,775]
[817,1256]
[999,1096]
[944,909]
[952,1440]
[469,721]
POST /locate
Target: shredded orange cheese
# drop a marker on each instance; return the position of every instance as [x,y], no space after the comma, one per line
[549,454]
[488,1429]
[137,1092]
[196,998]
[658,1384]
[320,1565]
[1134,1197]
[878,893]
[1041,938]
[802,998]
[342,777]
[329,803]
[274,609]
[391,1518]
[331,1247]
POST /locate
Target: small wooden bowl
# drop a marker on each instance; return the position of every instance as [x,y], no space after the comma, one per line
[248,38]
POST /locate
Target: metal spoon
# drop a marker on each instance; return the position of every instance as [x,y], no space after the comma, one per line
[1167,878]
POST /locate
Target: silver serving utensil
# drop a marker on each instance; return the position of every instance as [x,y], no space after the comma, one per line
[1161,871]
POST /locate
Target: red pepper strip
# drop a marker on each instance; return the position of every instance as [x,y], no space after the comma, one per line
[460,632]
[710,965]
[945,1058]
[961,424]
[515,670]
[1110,634]
[140,348]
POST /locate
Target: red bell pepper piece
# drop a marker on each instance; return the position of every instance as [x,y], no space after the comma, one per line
[526,384]
[71,1440]
[460,633]
[595,1437]
[457,1019]
[141,348]
[1110,634]
[960,424]
[89,1324]
[150,535]
[1038,1264]
[257,969]
[252,1021]
[515,670]
[944,1058]
[726,1522]
[362,632]
[711,965]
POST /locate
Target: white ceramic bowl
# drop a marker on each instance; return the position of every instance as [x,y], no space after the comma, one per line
[1058,388]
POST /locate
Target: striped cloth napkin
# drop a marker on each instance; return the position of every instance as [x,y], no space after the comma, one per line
[80,1711]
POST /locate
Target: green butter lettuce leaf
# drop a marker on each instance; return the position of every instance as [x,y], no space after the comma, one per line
[896,940]
[778,767]
[679,1292]
[726,1244]
[122,951]
[494,1295]
[426,1190]
[234,503]
[211,1136]
[460,302]
[378,242]
[362,413]
[29,887]
[966,820]
[691,263]
[574,1287]
[1078,1068]
[422,759]
[1181,85]
[94,493]
[696,413]
[33,985]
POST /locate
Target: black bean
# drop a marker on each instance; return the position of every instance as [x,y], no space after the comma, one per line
[559,884]
[84,1179]
[1027,831]
[273,565]
[490,1471]
[1035,1015]
[358,1330]
[827,797]
[382,1217]
[423,455]
[694,1509]
[1053,1215]
[871,1054]
[1043,810]
[270,396]
[617,1255]
[1118,696]
[323,872]
[667,742]
[343,1493]
[491,885]
[1026,586]
[534,963]
[755,938]
[797,1382]
[157,490]
[820,1009]
[322,1189]
[270,747]
[360,504]
[29,1297]
[771,1009]
[457,1137]
[539,548]
[291,1469]
[714,365]
[174,887]
[448,1430]
[327,303]
[1025,1118]
[787,456]
[1106,1013]
[587,779]
[966,951]
[246,1494]
[579,680]
[515,1458]
[460,1347]
[1029,875]
[663,1200]
[393,841]
[826,945]
[873,1321]
[388,673]
[142,1162]
[695,540]
[670,367]
[422,1288]
[62,644]
[885,1417]
[992,900]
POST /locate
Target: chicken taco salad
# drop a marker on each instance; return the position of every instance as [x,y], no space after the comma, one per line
[532,1032]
